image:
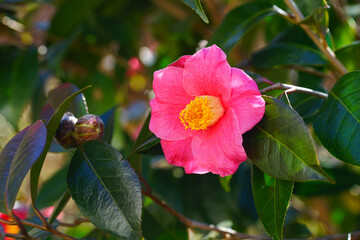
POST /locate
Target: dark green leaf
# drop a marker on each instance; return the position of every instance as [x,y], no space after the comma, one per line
[16,159]
[338,122]
[18,78]
[349,54]
[58,95]
[108,119]
[196,6]
[281,145]
[159,224]
[106,189]
[146,142]
[238,22]
[280,54]
[271,197]
[97,234]
[51,126]
[318,20]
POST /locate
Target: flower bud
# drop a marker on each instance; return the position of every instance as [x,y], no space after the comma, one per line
[89,127]
[64,133]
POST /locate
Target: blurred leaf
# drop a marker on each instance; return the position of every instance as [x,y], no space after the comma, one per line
[106,189]
[108,119]
[18,76]
[49,194]
[70,14]
[338,122]
[146,142]
[58,95]
[279,54]
[225,183]
[196,6]
[345,177]
[281,145]
[238,22]
[51,126]
[16,159]
[318,20]
[349,54]
[159,224]
[271,197]
[59,206]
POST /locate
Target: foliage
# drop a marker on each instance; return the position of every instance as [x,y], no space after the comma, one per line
[303,56]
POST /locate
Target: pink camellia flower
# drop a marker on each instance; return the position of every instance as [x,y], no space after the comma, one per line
[202,107]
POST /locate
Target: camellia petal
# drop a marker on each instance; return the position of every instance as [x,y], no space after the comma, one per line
[219,149]
[180,62]
[246,100]
[165,122]
[208,73]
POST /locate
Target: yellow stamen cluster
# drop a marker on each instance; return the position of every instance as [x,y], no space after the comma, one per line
[201,113]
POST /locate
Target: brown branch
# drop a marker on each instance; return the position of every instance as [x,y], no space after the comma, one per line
[310,70]
[15,236]
[288,87]
[319,42]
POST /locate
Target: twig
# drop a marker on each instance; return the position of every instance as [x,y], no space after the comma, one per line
[15,236]
[282,86]
[319,42]
[310,70]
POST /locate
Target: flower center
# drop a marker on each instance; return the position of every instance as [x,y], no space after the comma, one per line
[201,112]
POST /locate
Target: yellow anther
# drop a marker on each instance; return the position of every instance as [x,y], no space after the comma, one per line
[202,112]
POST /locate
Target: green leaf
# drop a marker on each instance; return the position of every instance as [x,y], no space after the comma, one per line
[318,20]
[280,54]
[159,224]
[338,122]
[18,77]
[196,6]
[238,22]
[281,145]
[271,198]
[106,189]
[51,126]
[146,142]
[16,159]
[349,54]
[225,183]
[58,95]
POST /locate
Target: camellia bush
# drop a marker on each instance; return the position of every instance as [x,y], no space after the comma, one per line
[179,119]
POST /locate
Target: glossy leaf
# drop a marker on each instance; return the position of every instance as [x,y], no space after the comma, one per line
[280,54]
[318,20]
[159,224]
[271,197]
[281,145]
[196,6]
[58,95]
[238,22]
[147,142]
[16,160]
[51,126]
[106,189]
[338,122]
